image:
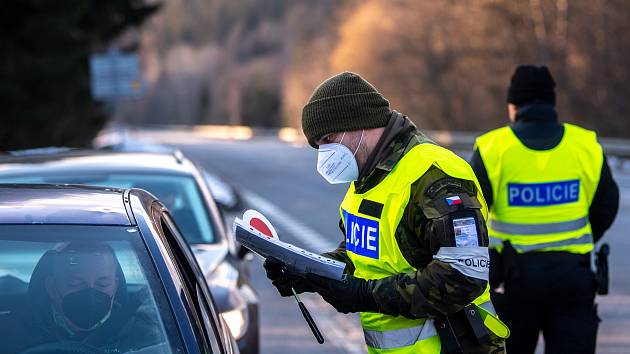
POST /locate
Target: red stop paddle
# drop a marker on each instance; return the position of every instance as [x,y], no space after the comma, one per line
[261,226]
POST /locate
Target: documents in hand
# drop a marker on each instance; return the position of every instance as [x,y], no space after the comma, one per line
[256,233]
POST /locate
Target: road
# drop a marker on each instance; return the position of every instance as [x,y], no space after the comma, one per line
[280,180]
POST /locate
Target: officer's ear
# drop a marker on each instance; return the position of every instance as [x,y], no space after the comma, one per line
[512,109]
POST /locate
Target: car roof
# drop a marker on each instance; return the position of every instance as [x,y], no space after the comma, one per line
[94,161]
[62,204]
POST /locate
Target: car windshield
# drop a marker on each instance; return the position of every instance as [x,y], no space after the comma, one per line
[180,194]
[81,289]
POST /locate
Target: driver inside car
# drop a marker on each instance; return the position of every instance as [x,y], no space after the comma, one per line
[78,302]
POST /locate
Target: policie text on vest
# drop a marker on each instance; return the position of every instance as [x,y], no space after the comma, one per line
[361,235]
[537,194]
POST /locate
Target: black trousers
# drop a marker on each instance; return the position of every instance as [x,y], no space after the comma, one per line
[552,295]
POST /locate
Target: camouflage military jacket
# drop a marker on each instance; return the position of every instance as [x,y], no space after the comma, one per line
[435,288]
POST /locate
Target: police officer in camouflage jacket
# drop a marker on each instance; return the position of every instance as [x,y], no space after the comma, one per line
[361,140]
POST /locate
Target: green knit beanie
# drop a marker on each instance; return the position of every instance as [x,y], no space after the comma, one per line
[345,102]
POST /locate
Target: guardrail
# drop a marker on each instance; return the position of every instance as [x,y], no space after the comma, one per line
[456,140]
[465,140]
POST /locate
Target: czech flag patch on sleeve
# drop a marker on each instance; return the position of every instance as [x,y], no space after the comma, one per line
[454,200]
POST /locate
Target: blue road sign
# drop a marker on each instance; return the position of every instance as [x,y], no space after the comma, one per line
[115,76]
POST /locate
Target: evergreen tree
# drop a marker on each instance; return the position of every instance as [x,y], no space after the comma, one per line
[45,46]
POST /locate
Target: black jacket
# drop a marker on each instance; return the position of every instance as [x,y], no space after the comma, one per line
[538,128]
[130,327]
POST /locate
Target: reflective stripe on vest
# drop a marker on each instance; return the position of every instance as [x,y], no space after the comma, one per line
[488,306]
[536,229]
[404,337]
[399,338]
[372,247]
[542,197]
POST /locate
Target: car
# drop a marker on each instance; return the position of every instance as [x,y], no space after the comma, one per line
[179,184]
[224,194]
[100,270]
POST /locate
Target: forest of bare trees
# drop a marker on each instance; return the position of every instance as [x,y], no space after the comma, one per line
[445,63]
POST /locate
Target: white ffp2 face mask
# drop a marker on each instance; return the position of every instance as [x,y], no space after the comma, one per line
[336,163]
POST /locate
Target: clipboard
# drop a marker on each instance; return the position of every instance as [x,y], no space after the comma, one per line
[256,233]
[249,233]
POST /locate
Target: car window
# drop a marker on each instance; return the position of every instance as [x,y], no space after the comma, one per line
[211,326]
[180,194]
[81,289]
[206,315]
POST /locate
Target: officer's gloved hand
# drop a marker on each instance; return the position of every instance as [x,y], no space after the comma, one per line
[284,279]
[348,295]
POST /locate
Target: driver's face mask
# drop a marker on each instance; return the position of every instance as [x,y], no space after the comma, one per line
[87,308]
[336,163]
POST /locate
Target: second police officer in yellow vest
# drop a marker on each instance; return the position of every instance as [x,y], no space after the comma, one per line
[414,229]
[551,196]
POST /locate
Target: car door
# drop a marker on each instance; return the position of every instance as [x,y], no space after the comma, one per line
[201,299]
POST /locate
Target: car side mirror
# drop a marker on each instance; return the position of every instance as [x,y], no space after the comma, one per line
[224,194]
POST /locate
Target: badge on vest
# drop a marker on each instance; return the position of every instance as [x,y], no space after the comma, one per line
[361,235]
[540,194]
[465,232]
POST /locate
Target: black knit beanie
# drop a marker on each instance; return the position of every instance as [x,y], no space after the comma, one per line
[531,83]
[345,102]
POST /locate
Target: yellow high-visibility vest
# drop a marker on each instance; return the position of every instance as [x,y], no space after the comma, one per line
[371,245]
[542,197]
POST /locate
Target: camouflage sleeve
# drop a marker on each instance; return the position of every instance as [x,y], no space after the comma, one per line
[339,253]
[447,238]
